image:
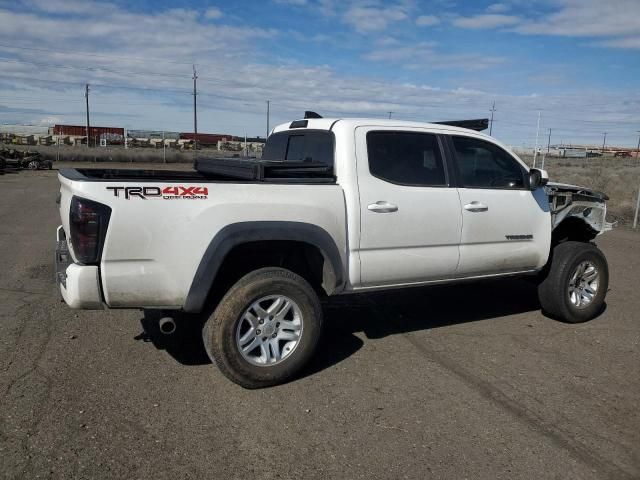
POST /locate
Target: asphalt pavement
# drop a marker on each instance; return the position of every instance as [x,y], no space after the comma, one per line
[470,381]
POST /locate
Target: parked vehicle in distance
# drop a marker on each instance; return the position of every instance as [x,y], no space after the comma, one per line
[334,206]
[623,154]
[23,159]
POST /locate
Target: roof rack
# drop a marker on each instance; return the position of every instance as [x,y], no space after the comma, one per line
[478,124]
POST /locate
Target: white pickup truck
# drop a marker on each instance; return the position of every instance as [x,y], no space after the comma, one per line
[335,206]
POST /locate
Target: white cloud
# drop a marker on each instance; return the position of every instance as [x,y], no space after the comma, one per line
[424,56]
[213,13]
[498,8]
[291,2]
[587,18]
[70,7]
[486,21]
[368,19]
[628,43]
[427,20]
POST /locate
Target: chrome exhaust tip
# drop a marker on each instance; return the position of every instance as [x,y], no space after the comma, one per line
[167,325]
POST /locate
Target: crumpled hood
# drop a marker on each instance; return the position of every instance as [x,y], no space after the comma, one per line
[552,187]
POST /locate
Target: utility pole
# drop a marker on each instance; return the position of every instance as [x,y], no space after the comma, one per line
[548,148]
[535,153]
[268,105]
[635,217]
[638,149]
[86,96]
[549,142]
[195,113]
[604,142]
[493,109]
[164,153]
[390,113]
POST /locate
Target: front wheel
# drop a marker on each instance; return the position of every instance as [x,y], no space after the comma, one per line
[576,284]
[265,329]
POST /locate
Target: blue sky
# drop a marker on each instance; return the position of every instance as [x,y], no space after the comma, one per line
[575,61]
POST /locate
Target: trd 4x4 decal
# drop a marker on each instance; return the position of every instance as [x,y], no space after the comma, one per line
[166,193]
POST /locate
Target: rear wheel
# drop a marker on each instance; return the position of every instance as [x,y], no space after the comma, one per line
[576,284]
[265,329]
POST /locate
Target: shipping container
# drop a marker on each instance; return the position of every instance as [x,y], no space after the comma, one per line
[211,139]
[81,131]
[158,134]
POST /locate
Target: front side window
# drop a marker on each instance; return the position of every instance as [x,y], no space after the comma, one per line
[300,146]
[406,158]
[485,165]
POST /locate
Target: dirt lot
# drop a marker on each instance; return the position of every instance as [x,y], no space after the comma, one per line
[462,382]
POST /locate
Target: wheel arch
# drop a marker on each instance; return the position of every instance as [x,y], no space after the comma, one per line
[261,233]
[573,228]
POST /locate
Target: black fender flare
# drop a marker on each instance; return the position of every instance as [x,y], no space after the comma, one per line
[244,232]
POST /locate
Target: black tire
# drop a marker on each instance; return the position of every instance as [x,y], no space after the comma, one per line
[553,290]
[219,333]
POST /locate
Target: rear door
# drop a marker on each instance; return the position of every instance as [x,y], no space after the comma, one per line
[506,227]
[410,218]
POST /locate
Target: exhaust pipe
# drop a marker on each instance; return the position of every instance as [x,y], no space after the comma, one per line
[167,325]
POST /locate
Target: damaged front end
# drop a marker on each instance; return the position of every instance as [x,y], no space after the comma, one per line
[569,203]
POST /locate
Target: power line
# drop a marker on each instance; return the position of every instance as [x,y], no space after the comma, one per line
[88,69]
[104,85]
[95,55]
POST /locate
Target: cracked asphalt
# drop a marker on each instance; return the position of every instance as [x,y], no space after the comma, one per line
[456,382]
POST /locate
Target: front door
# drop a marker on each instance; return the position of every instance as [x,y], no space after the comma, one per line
[410,217]
[506,227]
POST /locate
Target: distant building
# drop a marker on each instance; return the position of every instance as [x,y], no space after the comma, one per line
[23,129]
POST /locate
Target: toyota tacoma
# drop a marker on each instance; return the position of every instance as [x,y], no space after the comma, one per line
[333,207]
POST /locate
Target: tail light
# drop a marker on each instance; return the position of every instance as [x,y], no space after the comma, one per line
[88,222]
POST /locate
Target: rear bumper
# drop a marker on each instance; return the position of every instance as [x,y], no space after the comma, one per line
[79,284]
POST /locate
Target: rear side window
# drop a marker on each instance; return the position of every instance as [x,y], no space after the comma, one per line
[300,146]
[406,158]
[485,165]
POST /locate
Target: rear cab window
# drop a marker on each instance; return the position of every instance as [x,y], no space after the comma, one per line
[313,146]
[406,158]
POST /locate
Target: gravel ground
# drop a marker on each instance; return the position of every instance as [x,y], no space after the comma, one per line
[468,381]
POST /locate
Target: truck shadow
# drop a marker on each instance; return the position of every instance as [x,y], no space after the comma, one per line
[376,315]
[393,312]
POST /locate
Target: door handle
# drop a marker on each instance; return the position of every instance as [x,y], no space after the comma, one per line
[383,207]
[476,207]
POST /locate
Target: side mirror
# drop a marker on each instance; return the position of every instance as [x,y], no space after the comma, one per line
[537,178]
